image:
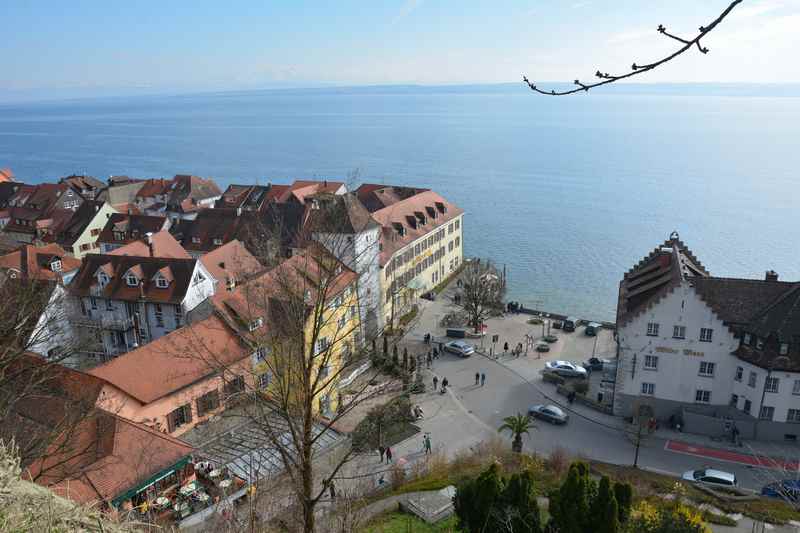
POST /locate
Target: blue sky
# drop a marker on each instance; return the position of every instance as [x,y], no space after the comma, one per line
[52,47]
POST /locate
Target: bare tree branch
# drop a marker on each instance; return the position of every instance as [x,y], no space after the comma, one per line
[641,69]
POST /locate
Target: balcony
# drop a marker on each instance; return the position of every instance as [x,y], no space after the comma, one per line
[104,322]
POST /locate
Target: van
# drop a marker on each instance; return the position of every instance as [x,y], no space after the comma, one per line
[569,323]
[593,328]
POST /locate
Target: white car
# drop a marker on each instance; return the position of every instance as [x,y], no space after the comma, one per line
[565,369]
[460,348]
[708,476]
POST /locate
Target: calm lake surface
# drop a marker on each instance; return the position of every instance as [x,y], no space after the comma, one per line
[568,193]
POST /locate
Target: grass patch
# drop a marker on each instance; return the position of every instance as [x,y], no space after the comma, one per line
[408,317]
[397,522]
[535,321]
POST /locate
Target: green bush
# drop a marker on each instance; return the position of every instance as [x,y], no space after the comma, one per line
[378,426]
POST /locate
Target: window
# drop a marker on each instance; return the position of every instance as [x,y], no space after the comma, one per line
[739,373]
[759,344]
[159,316]
[131,280]
[199,278]
[702,396]
[103,279]
[179,417]
[178,316]
[734,400]
[747,406]
[771,385]
[261,353]
[751,380]
[109,305]
[450,246]
[342,321]
[784,348]
[766,412]
[55,266]
[234,386]
[652,329]
[705,334]
[264,380]
[217,241]
[678,332]
[796,387]
[196,240]
[458,223]
[162,283]
[458,242]
[449,229]
[651,362]
[207,402]
[324,371]
[793,415]
[648,389]
[747,338]
[93,302]
[322,344]
[255,324]
[707,369]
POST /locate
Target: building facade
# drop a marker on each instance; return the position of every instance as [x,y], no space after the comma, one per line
[693,349]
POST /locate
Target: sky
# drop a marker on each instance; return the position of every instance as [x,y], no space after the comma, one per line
[52,48]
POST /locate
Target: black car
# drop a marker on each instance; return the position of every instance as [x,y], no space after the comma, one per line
[430,295]
[595,363]
[549,413]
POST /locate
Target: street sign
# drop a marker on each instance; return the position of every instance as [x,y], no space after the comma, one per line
[495,338]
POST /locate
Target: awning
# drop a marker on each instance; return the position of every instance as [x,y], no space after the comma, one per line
[416,284]
[139,487]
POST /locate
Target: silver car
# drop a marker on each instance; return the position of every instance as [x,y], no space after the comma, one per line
[565,369]
[460,348]
[549,413]
[709,476]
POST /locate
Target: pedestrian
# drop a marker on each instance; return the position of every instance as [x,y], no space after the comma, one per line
[428,359]
[427,444]
[332,489]
[382,450]
[483,379]
[388,455]
[477,378]
[435,353]
[505,348]
[445,383]
[435,382]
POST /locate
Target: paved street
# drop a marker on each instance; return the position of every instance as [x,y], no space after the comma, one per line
[513,384]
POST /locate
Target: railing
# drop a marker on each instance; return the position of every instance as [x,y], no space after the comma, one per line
[104,322]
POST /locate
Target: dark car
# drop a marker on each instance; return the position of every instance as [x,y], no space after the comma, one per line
[430,295]
[556,324]
[549,413]
[595,363]
[569,324]
[788,489]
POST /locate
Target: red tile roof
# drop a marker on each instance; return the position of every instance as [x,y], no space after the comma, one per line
[231,261]
[154,187]
[35,262]
[132,227]
[163,245]
[6,174]
[174,361]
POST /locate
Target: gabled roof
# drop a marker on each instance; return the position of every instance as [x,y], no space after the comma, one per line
[85,283]
[231,260]
[34,262]
[153,187]
[161,245]
[87,186]
[187,191]
[375,196]
[736,301]
[121,192]
[247,197]
[68,233]
[174,361]
[655,276]
[338,213]
[133,227]
[301,189]
[401,214]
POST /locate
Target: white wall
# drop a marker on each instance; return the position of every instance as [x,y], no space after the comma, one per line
[782,401]
[197,293]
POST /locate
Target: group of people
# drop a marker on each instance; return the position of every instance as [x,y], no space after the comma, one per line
[480,377]
[445,383]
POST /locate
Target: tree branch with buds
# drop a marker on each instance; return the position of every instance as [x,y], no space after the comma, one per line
[606,78]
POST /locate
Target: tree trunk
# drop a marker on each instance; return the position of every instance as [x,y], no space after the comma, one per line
[516,446]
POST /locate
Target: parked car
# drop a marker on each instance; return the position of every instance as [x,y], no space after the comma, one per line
[788,489]
[542,347]
[708,476]
[430,295]
[595,363]
[549,413]
[460,348]
[593,328]
[556,324]
[565,369]
[569,324]
[550,338]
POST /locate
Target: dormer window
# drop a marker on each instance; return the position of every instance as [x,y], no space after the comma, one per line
[784,348]
[131,280]
[196,240]
[217,241]
[161,283]
[55,266]
[102,278]
[747,339]
[759,344]
[255,324]
[399,228]
[441,207]
[307,296]
[199,278]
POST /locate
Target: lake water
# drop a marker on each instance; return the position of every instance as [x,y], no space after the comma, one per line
[568,193]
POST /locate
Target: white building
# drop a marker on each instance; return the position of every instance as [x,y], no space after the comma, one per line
[699,349]
[123,302]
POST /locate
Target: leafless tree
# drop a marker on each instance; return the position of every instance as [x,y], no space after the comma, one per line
[481,292]
[637,69]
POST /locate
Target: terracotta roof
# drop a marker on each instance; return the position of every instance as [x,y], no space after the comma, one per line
[34,262]
[87,186]
[231,261]
[403,214]
[174,361]
[736,301]
[118,193]
[187,191]
[163,244]
[132,227]
[153,187]
[247,197]
[656,276]
[86,283]
[338,213]
[301,189]
[126,454]
[375,197]
[6,175]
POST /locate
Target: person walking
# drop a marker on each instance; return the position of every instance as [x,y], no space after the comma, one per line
[505,348]
[477,378]
[332,489]
[382,450]
[427,444]
[428,359]
[388,455]
[483,379]
[435,382]
[445,383]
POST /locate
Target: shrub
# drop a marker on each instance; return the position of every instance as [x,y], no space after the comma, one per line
[581,387]
[379,423]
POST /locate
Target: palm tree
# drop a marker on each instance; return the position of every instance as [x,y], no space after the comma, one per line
[518,425]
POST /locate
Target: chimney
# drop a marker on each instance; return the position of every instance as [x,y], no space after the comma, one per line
[149,237]
[771,275]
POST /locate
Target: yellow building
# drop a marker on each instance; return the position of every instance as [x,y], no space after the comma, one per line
[421,243]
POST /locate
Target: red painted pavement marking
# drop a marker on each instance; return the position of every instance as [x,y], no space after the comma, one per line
[731,457]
